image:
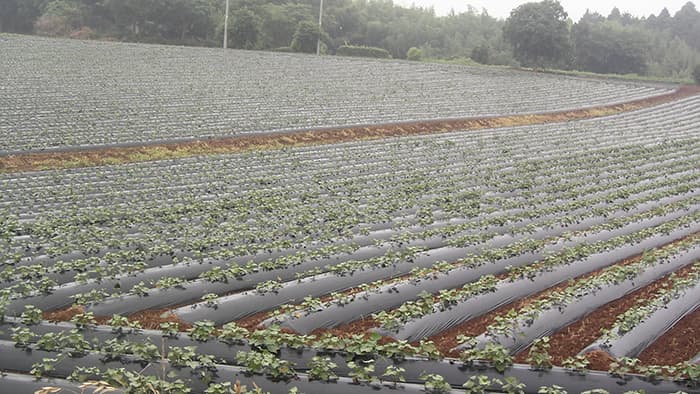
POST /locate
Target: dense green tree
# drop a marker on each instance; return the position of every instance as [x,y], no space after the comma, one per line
[414,54]
[686,25]
[185,20]
[539,34]
[18,16]
[306,37]
[245,30]
[606,46]
[280,21]
[481,54]
[615,15]
[130,16]
[61,17]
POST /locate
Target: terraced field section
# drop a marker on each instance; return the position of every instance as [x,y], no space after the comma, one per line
[435,260]
[65,94]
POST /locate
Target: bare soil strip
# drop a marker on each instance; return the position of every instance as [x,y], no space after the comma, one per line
[447,340]
[106,156]
[679,344]
[570,340]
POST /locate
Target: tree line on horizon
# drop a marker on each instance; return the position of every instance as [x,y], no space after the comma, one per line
[534,35]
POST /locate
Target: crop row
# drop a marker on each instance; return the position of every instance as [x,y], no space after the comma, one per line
[428,275]
[181,209]
[519,329]
[143,93]
[58,272]
[359,249]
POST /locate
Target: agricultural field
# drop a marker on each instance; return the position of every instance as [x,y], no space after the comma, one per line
[536,258]
[67,94]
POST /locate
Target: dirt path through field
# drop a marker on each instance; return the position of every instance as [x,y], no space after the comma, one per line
[105,156]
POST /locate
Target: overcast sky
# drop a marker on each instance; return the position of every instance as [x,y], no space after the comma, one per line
[575,9]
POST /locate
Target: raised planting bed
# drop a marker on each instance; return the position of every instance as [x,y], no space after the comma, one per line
[142,96]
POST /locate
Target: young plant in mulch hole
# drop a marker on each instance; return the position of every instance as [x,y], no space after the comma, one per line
[269,286]
[311,304]
[435,384]
[576,365]
[90,297]
[136,382]
[210,300]
[181,356]
[397,350]
[84,320]
[652,372]
[272,339]
[75,341]
[235,388]
[22,337]
[83,374]
[214,275]
[202,330]
[233,334]
[512,385]
[31,315]
[494,355]
[539,357]
[170,282]
[360,345]
[321,368]
[121,325]
[395,374]
[687,371]
[361,371]
[170,329]
[329,343]
[554,389]
[623,367]
[115,349]
[44,368]
[203,365]
[265,363]
[479,384]
[428,349]
[46,285]
[140,289]
[50,342]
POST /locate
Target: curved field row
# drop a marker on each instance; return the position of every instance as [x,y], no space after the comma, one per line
[401,247]
[98,156]
[134,94]
[134,238]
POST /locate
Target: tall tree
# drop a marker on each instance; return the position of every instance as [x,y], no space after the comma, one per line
[131,16]
[607,46]
[245,30]
[306,37]
[539,34]
[280,21]
[61,17]
[686,24]
[18,16]
[182,20]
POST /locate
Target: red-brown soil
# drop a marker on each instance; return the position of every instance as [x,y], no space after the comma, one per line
[447,339]
[680,344]
[569,341]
